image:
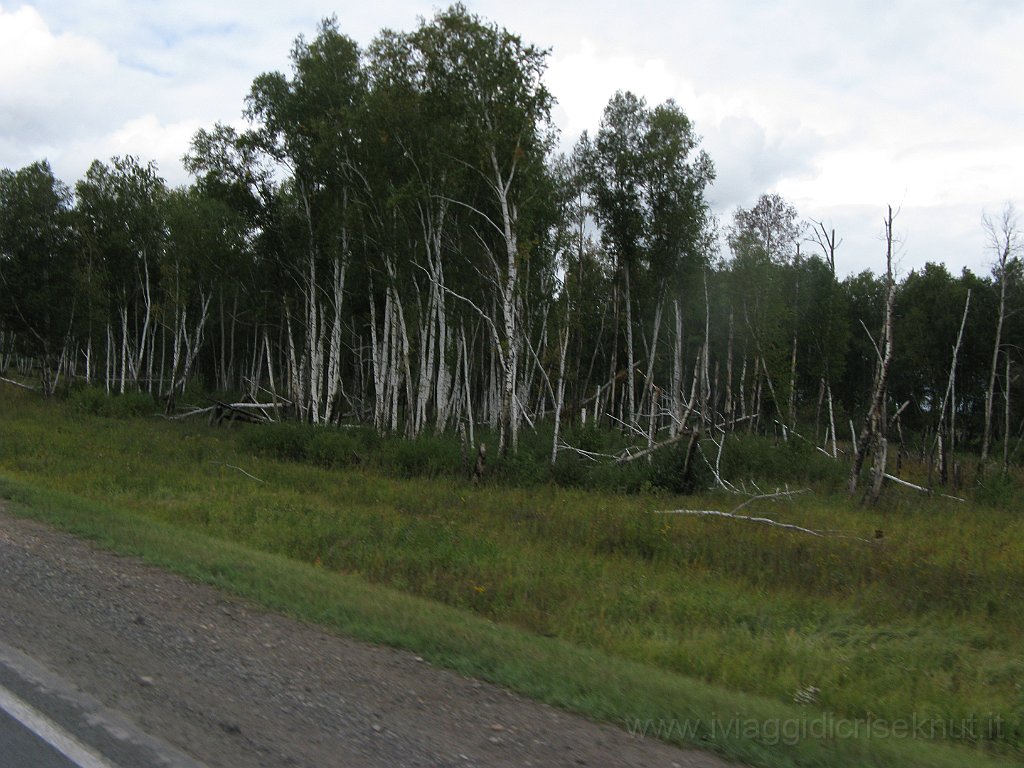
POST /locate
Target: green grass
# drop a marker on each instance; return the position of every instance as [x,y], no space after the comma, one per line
[585,600]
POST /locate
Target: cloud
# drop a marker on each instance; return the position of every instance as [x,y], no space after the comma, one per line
[584,79]
[48,82]
[749,161]
[150,139]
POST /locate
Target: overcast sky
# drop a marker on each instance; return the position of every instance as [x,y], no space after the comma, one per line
[843,108]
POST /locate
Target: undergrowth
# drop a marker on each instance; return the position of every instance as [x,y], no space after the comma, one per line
[912,609]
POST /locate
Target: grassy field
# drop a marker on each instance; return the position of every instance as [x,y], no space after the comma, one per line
[781,643]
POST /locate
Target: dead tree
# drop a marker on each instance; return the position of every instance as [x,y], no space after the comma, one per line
[481,463]
[1005,241]
[948,401]
[872,434]
[826,240]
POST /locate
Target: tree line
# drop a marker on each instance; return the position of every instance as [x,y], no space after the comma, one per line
[394,240]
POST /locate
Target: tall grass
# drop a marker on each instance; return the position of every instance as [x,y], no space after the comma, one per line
[926,621]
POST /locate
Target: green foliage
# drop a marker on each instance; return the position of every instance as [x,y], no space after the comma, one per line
[278,441]
[349,446]
[525,468]
[670,470]
[426,456]
[750,457]
[336,448]
[442,456]
[569,471]
[95,401]
[999,491]
[38,265]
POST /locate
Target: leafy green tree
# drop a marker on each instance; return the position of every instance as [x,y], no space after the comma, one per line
[823,333]
[763,241]
[121,219]
[310,125]
[647,179]
[38,266]
[929,306]
[499,126]
[771,227]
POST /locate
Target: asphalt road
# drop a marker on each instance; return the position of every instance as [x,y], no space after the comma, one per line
[20,747]
[47,722]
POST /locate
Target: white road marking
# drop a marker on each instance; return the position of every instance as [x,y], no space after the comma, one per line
[51,733]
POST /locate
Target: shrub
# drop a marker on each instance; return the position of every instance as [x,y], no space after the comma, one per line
[569,470]
[523,468]
[634,477]
[95,401]
[280,441]
[335,448]
[671,473]
[425,456]
[748,457]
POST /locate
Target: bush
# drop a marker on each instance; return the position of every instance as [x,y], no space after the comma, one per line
[426,456]
[335,448]
[751,457]
[671,473]
[523,468]
[634,477]
[279,441]
[95,401]
[745,458]
[569,471]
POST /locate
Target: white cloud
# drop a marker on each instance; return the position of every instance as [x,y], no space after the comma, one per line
[584,79]
[151,139]
[49,81]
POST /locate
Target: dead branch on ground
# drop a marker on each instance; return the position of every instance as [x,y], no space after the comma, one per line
[762,520]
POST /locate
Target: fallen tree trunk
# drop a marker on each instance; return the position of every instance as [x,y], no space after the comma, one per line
[761,520]
[625,458]
[19,384]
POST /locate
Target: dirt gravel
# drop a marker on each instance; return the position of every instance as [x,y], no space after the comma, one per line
[233,685]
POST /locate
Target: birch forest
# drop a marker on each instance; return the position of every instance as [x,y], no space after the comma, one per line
[395,240]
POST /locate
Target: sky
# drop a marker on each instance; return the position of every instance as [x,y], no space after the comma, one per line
[842,108]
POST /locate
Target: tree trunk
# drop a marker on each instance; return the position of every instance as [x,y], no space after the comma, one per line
[560,394]
[630,380]
[1006,419]
[676,398]
[874,421]
[1004,239]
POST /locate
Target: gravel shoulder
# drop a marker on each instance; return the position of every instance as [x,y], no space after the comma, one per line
[231,684]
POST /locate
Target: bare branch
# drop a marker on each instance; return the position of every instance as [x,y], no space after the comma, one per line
[19,384]
[232,466]
[920,488]
[625,457]
[762,520]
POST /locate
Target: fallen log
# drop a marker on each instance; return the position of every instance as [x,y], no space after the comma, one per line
[921,488]
[626,456]
[19,384]
[762,520]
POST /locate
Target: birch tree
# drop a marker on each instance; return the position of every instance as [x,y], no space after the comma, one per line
[500,124]
[647,179]
[1005,241]
[122,221]
[309,124]
[38,267]
[872,433]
